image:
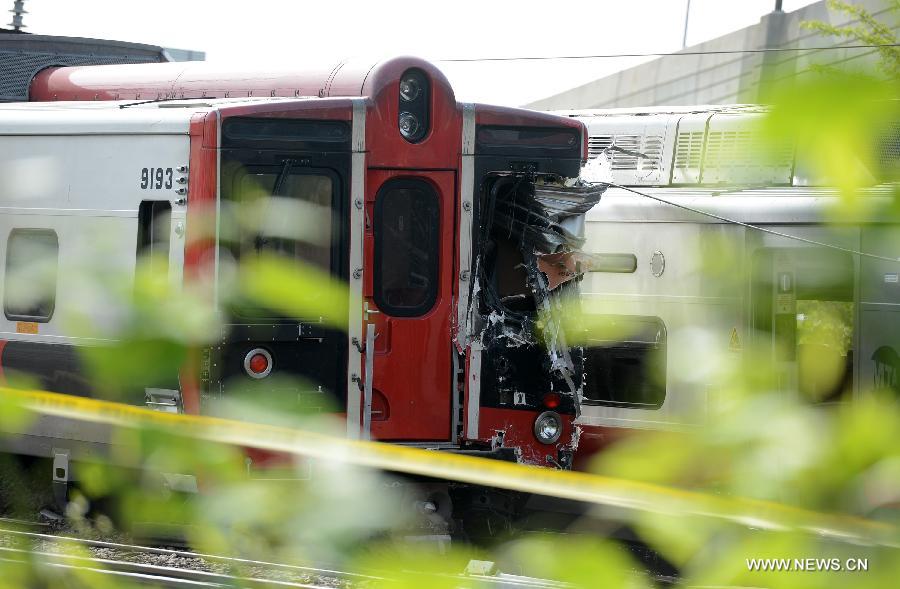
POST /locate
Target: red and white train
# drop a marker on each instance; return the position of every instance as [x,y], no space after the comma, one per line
[450,225]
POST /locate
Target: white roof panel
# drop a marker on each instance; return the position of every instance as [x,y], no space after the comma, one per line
[780,205]
[113,117]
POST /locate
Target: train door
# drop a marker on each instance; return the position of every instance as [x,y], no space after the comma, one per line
[804,312]
[284,200]
[407,305]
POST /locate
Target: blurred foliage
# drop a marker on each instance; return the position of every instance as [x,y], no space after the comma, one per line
[835,120]
[579,560]
[746,430]
[759,438]
[283,285]
[865,29]
[825,323]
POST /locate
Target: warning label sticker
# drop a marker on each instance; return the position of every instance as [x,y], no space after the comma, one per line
[735,344]
[26,327]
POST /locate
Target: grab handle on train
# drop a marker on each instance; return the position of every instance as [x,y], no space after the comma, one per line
[367,388]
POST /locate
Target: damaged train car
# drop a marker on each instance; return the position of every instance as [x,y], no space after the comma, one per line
[527,268]
[455,229]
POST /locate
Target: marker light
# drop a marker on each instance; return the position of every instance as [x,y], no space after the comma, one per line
[409,89]
[548,427]
[409,126]
[258,363]
[551,400]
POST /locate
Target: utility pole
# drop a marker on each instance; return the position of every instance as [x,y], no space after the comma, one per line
[18,10]
[687,15]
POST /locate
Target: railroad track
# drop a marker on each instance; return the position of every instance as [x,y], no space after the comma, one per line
[118,562]
[142,573]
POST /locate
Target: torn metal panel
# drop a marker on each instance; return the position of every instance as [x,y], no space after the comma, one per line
[550,309]
[525,285]
[543,217]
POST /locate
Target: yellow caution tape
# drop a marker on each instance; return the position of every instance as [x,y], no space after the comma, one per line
[577,486]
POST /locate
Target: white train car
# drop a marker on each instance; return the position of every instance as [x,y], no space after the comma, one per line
[81,180]
[675,296]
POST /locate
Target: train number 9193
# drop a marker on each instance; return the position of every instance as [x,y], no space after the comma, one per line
[156,178]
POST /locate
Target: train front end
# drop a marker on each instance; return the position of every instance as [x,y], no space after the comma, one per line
[517,317]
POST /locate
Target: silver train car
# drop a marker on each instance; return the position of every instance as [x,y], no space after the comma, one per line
[707,257]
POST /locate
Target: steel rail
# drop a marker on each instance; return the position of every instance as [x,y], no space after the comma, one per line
[140,578]
[183,577]
[135,548]
[156,573]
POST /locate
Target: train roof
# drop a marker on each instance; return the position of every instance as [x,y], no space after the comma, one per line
[308,77]
[122,116]
[752,204]
[662,110]
[708,145]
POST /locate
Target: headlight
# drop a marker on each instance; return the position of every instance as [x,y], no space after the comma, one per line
[414,105]
[548,427]
[409,89]
[409,126]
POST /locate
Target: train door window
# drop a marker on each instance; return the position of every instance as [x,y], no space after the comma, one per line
[625,361]
[804,302]
[32,259]
[154,228]
[407,240]
[287,214]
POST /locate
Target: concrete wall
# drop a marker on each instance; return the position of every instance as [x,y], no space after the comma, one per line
[726,78]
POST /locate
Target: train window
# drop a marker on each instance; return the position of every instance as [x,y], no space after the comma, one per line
[824,348]
[407,239]
[294,219]
[32,258]
[614,263]
[625,361]
[154,227]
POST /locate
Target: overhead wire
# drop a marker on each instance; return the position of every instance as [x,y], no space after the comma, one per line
[753,227]
[669,54]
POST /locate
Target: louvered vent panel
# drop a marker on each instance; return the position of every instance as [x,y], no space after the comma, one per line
[688,149]
[625,156]
[781,155]
[889,150]
[652,151]
[18,67]
[597,144]
[731,149]
[745,156]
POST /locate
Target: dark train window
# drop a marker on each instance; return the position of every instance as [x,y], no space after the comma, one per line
[32,260]
[407,239]
[290,214]
[154,226]
[625,361]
